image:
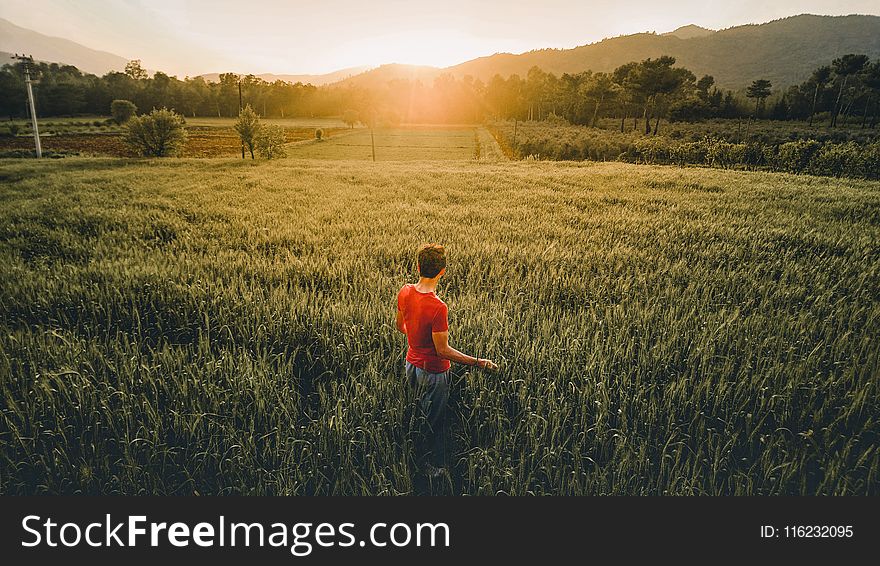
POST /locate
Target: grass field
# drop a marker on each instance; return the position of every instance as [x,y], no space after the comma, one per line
[398,144]
[207,137]
[224,326]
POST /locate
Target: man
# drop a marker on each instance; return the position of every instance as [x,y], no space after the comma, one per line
[423,317]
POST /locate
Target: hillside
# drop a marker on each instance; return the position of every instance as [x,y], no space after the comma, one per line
[690,31]
[15,39]
[784,51]
[316,80]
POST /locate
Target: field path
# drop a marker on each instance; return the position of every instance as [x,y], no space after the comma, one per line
[489,148]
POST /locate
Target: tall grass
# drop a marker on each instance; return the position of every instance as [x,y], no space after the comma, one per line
[219,327]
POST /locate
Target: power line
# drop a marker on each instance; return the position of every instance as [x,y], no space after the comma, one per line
[27,61]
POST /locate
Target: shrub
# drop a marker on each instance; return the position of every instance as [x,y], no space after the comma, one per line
[836,159]
[158,134]
[652,149]
[725,155]
[794,156]
[753,155]
[248,128]
[350,117]
[270,141]
[688,153]
[870,165]
[319,134]
[122,111]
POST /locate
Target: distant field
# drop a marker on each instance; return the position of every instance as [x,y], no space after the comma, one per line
[204,140]
[285,122]
[214,137]
[396,144]
[221,326]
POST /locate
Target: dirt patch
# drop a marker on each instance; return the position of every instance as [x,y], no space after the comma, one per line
[202,142]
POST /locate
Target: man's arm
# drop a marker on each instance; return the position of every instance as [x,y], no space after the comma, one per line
[444,350]
[401,323]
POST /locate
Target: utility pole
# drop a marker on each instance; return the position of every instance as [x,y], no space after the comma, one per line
[27,80]
[239,113]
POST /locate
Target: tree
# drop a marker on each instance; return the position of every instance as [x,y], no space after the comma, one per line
[248,126]
[845,67]
[625,77]
[657,80]
[759,90]
[821,77]
[598,89]
[350,117]
[270,141]
[134,70]
[122,110]
[157,134]
[871,80]
[780,109]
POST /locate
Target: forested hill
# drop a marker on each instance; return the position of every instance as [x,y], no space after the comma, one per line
[15,39]
[784,51]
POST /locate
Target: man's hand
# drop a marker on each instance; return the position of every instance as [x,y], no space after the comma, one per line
[487,364]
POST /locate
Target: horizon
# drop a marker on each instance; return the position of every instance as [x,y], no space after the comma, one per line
[419,34]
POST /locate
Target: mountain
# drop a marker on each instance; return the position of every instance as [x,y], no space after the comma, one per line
[316,80]
[382,75]
[783,51]
[690,31]
[15,39]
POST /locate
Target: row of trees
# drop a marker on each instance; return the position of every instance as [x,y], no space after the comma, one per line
[638,94]
[847,88]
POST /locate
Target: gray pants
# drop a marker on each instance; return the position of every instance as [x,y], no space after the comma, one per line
[431,391]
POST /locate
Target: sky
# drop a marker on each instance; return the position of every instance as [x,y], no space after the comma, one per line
[191,37]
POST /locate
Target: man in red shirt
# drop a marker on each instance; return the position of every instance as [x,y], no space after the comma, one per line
[423,317]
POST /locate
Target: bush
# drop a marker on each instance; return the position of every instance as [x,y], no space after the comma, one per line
[248,127]
[793,157]
[836,159]
[652,149]
[689,153]
[158,134]
[725,155]
[351,117]
[870,165]
[122,111]
[319,134]
[270,141]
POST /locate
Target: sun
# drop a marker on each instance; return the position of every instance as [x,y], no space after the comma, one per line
[431,47]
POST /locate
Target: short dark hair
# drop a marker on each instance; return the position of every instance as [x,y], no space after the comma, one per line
[432,258]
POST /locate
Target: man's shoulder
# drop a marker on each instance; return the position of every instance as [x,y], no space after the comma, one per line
[437,301]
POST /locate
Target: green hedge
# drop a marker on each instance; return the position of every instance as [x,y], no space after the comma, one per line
[807,156]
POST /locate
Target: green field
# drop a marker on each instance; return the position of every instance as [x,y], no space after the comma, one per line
[284,122]
[397,144]
[218,326]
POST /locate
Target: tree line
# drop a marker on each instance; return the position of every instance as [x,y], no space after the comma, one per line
[638,95]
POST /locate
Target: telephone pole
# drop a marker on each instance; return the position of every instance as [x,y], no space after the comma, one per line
[239,113]
[27,80]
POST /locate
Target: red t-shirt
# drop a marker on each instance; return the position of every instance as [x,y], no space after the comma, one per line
[423,313]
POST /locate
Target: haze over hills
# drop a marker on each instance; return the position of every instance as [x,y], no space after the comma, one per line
[316,80]
[690,31]
[15,39]
[784,51]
